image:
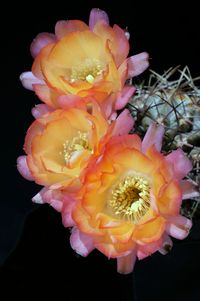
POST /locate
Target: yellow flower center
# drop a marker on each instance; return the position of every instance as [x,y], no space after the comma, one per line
[131,198]
[87,71]
[78,143]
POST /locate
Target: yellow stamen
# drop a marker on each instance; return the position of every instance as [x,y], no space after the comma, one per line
[78,143]
[131,198]
[87,71]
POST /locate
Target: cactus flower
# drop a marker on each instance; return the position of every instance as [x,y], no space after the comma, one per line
[80,61]
[59,144]
[129,204]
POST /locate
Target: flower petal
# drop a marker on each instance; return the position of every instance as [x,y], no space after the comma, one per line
[81,243]
[145,250]
[39,197]
[36,67]
[170,198]
[180,162]
[46,94]
[151,231]
[70,101]
[124,123]
[40,110]
[67,219]
[97,15]
[189,189]
[23,168]
[124,96]
[137,64]
[63,28]
[68,205]
[28,80]
[125,264]
[120,46]
[178,226]
[41,40]
[50,196]
[115,250]
[153,136]
[116,41]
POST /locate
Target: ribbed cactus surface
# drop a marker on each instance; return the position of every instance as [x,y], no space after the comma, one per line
[173,100]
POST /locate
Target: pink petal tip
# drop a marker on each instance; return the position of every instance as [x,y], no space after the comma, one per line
[40,110]
[41,40]
[97,15]
[81,243]
[181,164]
[23,168]
[179,227]
[124,97]
[137,64]
[153,136]
[124,123]
[28,80]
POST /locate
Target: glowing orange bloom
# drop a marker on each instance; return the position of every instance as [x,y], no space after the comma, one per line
[82,61]
[130,200]
[59,144]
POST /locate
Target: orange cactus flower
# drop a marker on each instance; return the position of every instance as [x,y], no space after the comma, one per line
[59,144]
[81,61]
[130,200]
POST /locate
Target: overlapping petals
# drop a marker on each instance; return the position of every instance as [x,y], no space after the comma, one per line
[59,144]
[81,61]
[118,194]
[115,229]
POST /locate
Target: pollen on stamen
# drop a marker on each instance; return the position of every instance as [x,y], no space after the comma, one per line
[87,71]
[78,143]
[130,200]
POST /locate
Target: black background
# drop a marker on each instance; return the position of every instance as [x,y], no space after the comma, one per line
[34,246]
